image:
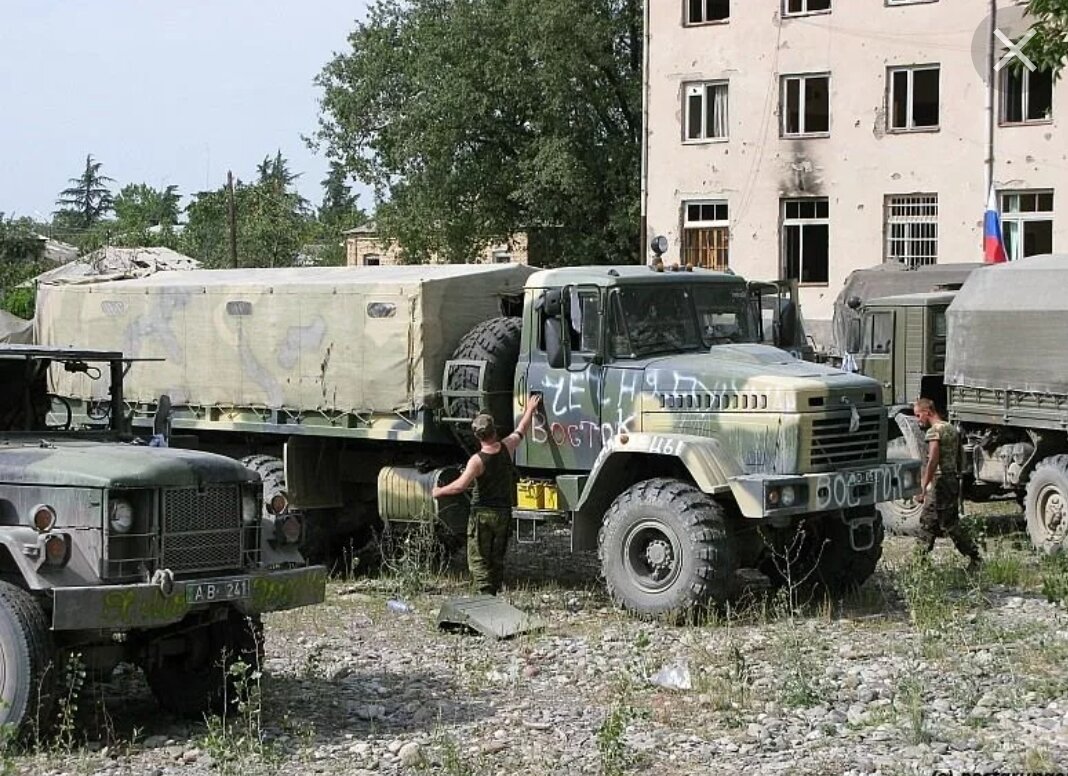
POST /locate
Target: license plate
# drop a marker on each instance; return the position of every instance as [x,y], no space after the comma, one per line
[218,590]
[863,478]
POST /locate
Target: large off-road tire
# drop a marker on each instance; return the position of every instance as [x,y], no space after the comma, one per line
[496,342]
[317,541]
[1046,505]
[667,549]
[823,559]
[199,680]
[902,517]
[28,662]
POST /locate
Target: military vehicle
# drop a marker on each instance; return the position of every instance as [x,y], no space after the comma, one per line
[670,438]
[991,356]
[120,552]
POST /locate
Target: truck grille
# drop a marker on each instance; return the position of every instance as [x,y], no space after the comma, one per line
[201,529]
[835,446]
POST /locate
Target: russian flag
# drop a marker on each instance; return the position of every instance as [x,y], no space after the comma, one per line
[993,243]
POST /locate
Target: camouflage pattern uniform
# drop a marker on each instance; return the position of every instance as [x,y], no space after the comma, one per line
[940,515]
[490,526]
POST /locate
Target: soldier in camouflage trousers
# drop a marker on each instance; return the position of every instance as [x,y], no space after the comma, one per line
[490,470]
[940,486]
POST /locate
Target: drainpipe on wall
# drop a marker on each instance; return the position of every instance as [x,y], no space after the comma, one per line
[991,92]
[644,229]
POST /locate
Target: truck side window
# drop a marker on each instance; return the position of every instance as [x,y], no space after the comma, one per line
[882,332]
[585,324]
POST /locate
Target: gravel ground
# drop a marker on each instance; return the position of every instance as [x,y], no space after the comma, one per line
[926,668]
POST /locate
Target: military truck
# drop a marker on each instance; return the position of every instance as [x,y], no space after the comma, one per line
[120,552]
[992,357]
[670,438]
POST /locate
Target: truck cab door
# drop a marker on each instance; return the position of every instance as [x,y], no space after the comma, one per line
[778,312]
[566,365]
[876,358]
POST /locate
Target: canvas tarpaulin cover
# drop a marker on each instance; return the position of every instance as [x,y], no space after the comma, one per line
[1007,327]
[336,339]
[15,330]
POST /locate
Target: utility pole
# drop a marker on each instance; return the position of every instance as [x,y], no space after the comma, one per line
[644,225]
[232,210]
[991,98]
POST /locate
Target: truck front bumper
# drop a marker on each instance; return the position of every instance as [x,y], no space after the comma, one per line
[128,607]
[771,495]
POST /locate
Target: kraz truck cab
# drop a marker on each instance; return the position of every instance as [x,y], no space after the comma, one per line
[121,552]
[678,445]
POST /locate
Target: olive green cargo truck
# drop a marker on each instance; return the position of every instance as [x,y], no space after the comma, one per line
[670,439]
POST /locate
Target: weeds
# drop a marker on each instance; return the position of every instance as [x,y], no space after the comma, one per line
[73,682]
[615,757]
[1055,578]
[412,557]
[910,694]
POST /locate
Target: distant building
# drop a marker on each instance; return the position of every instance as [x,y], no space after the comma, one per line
[364,248]
[803,139]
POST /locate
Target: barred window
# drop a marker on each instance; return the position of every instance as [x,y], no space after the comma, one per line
[912,229]
[706,234]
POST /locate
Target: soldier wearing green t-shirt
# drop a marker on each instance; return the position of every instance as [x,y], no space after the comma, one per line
[940,486]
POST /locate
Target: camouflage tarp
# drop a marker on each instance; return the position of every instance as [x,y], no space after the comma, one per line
[890,279]
[1007,327]
[14,330]
[342,339]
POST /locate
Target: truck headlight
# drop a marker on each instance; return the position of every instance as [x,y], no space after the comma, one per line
[120,516]
[907,480]
[788,496]
[288,529]
[250,508]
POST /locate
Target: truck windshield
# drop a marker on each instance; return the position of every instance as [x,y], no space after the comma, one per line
[26,404]
[659,319]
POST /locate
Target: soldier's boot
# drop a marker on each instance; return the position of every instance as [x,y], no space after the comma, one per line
[966,547]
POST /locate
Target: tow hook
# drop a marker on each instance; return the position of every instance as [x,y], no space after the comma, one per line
[861,533]
[164,580]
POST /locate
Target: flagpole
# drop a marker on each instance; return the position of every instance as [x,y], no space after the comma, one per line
[991,92]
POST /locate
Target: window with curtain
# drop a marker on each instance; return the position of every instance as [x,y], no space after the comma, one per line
[706,113]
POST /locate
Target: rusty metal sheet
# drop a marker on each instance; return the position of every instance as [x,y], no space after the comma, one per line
[488,615]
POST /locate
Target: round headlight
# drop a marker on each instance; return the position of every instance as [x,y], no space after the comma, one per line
[789,496]
[121,516]
[773,497]
[906,479]
[289,528]
[250,508]
[44,517]
[278,503]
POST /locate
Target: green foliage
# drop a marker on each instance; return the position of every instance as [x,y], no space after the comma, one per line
[474,119]
[139,206]
[1055,578]
[273,221]
[1049,47]
[616,758]
[21,252]
[88,198]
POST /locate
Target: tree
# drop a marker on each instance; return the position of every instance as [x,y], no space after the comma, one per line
[21,258]
[1049,47]
[474,119]
[273,221]
[138,206]
[88,198]
[338,213]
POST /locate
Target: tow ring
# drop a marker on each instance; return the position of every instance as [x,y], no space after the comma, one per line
[164,579]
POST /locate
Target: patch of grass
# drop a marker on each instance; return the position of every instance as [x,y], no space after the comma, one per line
[616,758]
[1039,761]
[799,668]
[236,739]
[909,699]
[413,558]
[72,682]
[1055,578]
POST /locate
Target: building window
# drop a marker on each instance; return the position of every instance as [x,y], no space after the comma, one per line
[502,256]
[372,260]
[806,105]
[803,7]
[909,2]
[1027,223]
[912,229]
[914,97]
[707,11]
[706,234]
[1026,96]
[706,111]
[806,240]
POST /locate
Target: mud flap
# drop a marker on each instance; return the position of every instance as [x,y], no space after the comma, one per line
[861,533]
[487,615]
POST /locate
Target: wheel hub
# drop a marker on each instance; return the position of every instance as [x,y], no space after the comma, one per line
[1054,509]
[659,556]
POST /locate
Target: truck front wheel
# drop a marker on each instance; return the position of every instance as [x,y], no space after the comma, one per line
[666,548]
[27,672]
[200,678]
[1046,505]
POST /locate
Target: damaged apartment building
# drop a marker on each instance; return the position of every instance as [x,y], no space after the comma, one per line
[803,139]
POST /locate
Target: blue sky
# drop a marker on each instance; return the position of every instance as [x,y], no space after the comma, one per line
[160,91]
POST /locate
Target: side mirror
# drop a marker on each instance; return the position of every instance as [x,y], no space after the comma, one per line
[554,306]
[161,421]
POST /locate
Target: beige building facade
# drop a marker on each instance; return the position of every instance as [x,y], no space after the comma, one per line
[365,248]
[804,139]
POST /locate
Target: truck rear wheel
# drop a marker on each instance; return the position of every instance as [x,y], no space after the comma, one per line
[27,670]
[496,342]
[1046,505]
[902,517]
[666,549]
[199,679]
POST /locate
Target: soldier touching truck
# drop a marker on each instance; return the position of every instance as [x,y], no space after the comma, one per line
[492,473]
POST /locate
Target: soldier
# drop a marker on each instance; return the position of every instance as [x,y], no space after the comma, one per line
[940,488]
[490,524]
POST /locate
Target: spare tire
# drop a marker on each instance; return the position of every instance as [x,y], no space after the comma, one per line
[496,342]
